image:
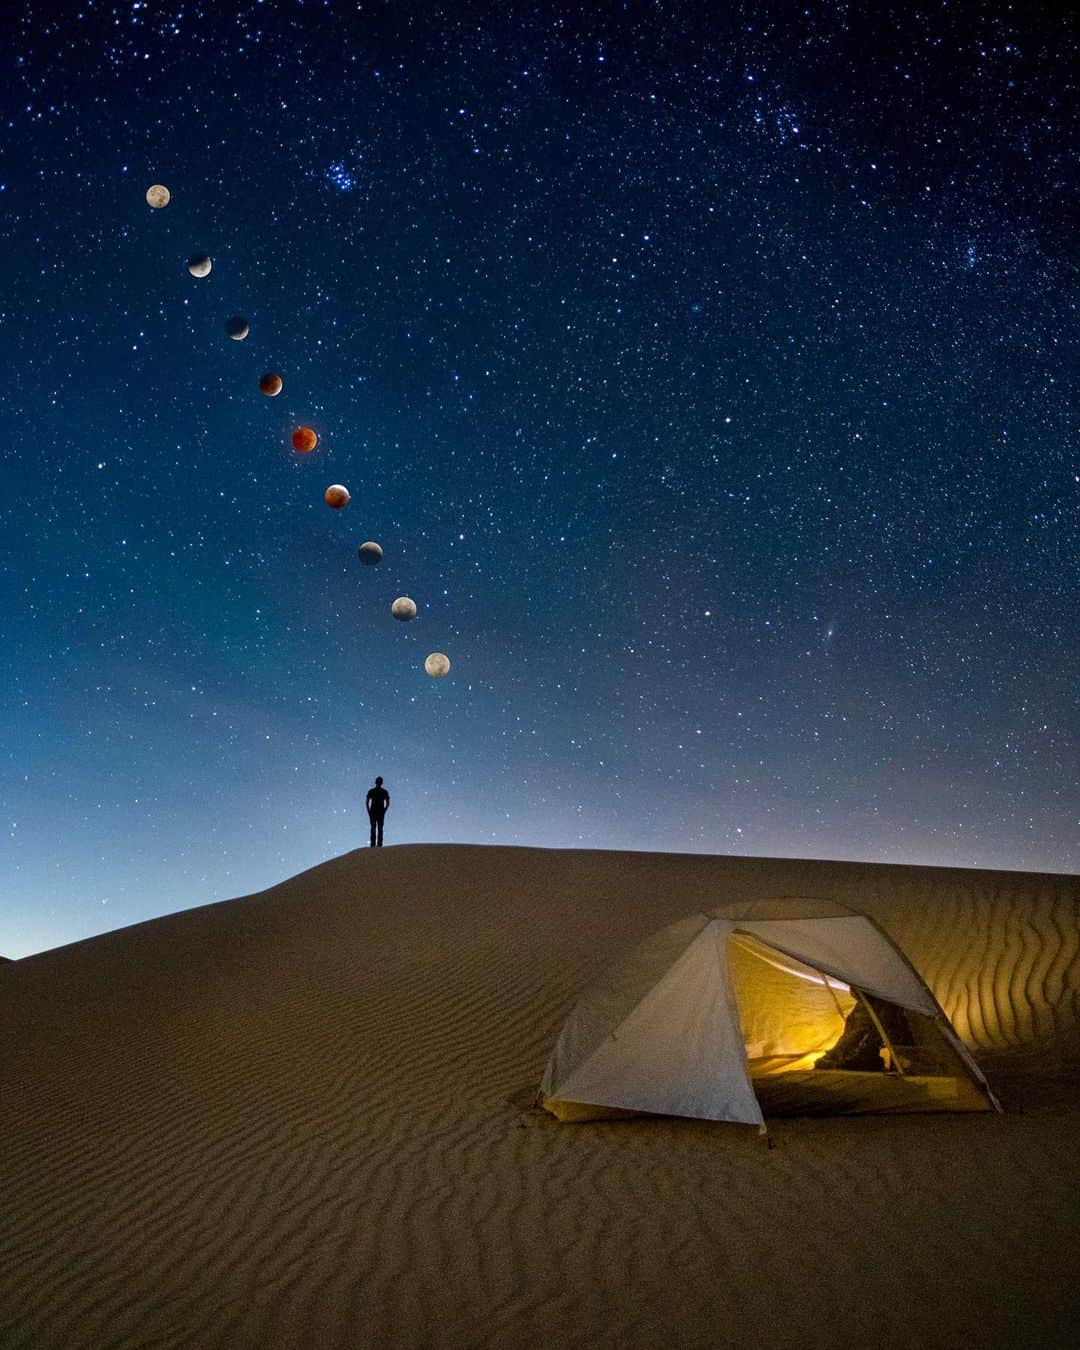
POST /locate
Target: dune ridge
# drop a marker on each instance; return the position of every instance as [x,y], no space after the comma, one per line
[303,1118]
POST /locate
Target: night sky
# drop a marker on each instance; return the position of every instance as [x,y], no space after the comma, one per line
[703,371]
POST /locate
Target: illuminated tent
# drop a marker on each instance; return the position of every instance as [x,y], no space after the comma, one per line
[725,1015]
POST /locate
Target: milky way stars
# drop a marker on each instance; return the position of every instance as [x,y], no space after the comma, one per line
[705,377]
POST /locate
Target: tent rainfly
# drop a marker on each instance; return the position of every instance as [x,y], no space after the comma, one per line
[779,1007]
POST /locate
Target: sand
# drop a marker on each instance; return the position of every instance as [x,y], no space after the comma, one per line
[303,1119]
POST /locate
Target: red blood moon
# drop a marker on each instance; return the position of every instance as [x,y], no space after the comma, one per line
[337,496]
[270,384]
[304,440]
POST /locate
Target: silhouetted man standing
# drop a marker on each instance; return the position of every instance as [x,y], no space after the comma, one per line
[378,803]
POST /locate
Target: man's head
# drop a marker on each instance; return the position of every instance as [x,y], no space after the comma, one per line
[378,782]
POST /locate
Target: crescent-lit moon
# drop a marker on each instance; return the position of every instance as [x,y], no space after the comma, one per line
[199,265]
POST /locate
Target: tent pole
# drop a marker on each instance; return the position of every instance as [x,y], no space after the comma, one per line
[828,986]
[881,1032]
[964,1055]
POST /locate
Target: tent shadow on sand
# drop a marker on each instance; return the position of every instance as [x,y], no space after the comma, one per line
[771,1007]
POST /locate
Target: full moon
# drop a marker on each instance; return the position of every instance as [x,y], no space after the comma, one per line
[403,608]
[304,440]
[199,265]
[437,665]
[237,328]
[370,553]
[337,496]
[157,196]
[270,384]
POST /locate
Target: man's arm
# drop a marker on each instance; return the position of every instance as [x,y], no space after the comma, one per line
[386,802]
[367,802]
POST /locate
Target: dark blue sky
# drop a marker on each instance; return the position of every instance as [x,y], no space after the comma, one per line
[703,372]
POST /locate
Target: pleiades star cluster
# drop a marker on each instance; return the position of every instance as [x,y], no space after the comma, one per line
[703,371]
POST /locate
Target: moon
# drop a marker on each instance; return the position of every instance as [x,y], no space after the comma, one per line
[199,265]
[304,440]
[437,665]
[337,496]
[237,328]
[403,608]
[270,384]
[370,554]
[158,196]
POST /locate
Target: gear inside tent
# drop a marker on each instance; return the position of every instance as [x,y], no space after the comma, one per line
[773,1007]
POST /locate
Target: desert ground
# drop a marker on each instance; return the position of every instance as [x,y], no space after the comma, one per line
[306,1118]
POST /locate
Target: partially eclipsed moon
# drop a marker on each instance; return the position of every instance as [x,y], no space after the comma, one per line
[403,608]
[270,384]
[337,496]
[157,196]
[199,265]
[370,553]
[237,328]
[437,665]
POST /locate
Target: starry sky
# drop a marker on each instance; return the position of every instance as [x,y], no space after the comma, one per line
[703,371]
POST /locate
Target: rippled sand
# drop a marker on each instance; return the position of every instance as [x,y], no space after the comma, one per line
[303,1119]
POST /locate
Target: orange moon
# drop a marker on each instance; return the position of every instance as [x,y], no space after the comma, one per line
[270,384]
[337,496]
[304,440]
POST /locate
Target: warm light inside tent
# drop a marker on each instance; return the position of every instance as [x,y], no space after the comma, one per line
[787,964]
[789,1012]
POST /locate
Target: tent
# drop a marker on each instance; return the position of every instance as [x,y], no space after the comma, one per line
[784,1007]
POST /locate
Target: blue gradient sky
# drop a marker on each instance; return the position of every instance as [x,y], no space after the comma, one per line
[705,378]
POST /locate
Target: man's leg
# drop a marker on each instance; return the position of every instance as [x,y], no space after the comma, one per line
[372,844]
[380,831]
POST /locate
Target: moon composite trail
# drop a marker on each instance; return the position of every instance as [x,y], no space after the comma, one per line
[304,441]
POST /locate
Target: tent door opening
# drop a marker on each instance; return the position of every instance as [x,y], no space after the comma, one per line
[815,1045]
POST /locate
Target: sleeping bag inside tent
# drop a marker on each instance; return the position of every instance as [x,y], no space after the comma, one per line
[772,1007]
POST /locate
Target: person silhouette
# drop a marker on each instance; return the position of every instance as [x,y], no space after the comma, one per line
[377,803]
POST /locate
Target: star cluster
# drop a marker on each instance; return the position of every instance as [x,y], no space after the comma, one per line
[704,372]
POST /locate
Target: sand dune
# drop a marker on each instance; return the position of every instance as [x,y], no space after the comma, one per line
[303,1119]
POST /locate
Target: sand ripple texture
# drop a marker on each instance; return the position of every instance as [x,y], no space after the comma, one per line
[302,1119]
